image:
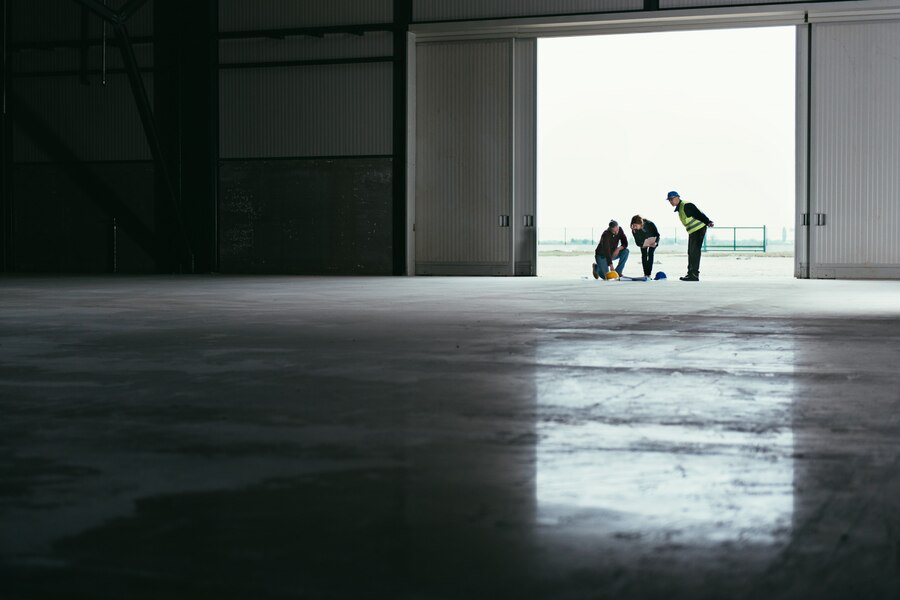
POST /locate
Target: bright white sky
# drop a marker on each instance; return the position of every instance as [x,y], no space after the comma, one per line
[623,119]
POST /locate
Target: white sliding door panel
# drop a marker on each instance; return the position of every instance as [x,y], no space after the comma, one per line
[525,144]
[801,177]
[474,181]
[854,150]
[463,152]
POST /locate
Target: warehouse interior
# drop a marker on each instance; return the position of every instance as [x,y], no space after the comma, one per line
[269,325]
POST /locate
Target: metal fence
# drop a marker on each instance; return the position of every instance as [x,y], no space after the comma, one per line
[714,242]
[718,239]
[564,236]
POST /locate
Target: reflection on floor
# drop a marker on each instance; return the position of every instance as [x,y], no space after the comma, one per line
[239,437]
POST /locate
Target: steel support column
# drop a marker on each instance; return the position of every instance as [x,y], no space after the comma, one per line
[6,201]
[186,92]
[402,20]
[186,258]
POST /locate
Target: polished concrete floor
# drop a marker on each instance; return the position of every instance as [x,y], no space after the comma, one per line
[458,438]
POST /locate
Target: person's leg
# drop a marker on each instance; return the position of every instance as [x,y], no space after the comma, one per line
[647,260]
[623,258]
[695,245]
[701,235]
[601,268]
[693,251]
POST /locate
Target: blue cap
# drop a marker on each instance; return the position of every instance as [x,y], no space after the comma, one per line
[672,194]
[660,275]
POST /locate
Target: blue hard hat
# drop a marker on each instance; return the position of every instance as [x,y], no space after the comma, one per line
[660,275]
[672,194]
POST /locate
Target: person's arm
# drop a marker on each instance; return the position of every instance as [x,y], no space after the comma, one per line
[624,239]
[691,210]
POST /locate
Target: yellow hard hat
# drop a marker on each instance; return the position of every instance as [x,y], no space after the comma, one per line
[612,275]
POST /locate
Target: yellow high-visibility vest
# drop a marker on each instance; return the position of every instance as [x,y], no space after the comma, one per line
[690,223]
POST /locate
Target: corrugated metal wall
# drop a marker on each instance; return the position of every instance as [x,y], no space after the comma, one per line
[438,10]
[94,122]
[320,102]
[244,15]
[46,20]
[320,110]
[37,63]
[442,10]
[664,4]
[306,109]
[463,157]
[336,46]
[855,149]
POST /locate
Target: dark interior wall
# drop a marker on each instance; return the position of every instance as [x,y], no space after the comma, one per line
[79,177]
[305,120]
[309,216]
[93,221]
[306,163]
[90,142]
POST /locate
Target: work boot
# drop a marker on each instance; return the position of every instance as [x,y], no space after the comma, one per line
[689,278]
[594,271]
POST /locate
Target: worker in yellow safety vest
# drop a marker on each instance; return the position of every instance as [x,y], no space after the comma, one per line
[695,222]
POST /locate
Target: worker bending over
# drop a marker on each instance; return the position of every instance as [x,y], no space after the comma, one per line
[695,222]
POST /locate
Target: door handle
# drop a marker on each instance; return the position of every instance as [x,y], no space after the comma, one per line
[504,221]
[820,219]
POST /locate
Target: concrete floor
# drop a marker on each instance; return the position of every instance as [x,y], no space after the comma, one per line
[432,438]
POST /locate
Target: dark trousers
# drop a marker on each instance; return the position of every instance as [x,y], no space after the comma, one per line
[647,260]
[695,244]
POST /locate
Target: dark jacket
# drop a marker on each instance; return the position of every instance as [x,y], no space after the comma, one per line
[649,230]
[692,211]
[609,242]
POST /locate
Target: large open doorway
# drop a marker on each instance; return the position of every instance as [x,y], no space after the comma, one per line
[624,118]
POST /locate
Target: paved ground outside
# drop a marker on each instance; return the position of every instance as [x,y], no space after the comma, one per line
[713,265]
